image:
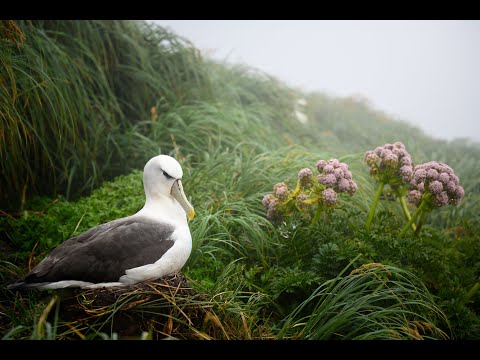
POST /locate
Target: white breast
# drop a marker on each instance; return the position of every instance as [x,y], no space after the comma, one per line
[171,262]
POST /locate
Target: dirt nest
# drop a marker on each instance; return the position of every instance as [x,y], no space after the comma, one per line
[166,307]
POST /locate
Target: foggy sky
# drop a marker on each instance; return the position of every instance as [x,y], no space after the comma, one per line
[424,72]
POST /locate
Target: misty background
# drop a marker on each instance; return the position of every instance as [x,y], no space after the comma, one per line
[423,72]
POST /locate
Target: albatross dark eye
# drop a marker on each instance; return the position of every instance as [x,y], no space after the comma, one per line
[166,175]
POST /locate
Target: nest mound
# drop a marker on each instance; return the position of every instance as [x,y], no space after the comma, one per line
[166,307]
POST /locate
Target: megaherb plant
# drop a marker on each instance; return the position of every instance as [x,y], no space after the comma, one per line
[429,186]
[390,165]
[310,192]
[434,185]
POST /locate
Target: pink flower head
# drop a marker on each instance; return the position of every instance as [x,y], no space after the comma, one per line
[440,180]
[399,145]
[444,178]
[329,197]
[406,172]
[440,199]
[443,168]
[421,187]
[328,180]
[451,187]
[458,195]
[347,175]
[280,190]
[353,187]
[343,166]
[459,192]
[371,158]
[306,177]
[455,179]
[432,174]
[321,164]
[338,173]
[399,152]
[385,152]
[405,160]
[435,187]
[414,197]
[328,169]
[334,162]
[420,174]
[272,212]
[267,199]
[343,185]
[391,160]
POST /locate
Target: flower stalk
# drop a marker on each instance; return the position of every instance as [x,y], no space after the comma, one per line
[390,165]
[417,212]
[403,203]
[371,213]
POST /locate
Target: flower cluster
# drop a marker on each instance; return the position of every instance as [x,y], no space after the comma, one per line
[433,185]
[391,165]
[438,180]
[334,178]
[390,162]
[272,202]
[305,177]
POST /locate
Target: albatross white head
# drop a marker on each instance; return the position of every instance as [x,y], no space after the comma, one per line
[162,180]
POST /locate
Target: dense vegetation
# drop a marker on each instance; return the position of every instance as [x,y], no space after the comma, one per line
[83,106]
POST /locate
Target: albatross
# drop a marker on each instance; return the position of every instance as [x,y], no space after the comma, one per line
[152,243]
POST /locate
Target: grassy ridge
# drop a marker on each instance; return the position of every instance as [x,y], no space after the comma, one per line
[84,101]
[70,90]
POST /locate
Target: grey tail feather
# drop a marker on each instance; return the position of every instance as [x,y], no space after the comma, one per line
[16,285]
[22,285]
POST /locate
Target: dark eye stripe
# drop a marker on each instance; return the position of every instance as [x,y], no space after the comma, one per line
[166,175]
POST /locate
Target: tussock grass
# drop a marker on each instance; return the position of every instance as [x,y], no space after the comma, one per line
[69,91]
[373,302]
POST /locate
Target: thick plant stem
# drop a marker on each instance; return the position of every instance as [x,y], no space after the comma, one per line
[414,217]
[420,222]
[297,190]
[317,215]
[374,205]
[403,203]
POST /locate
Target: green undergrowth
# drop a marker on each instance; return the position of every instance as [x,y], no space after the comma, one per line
[238,253]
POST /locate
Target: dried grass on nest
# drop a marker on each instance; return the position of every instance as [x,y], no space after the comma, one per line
[162,308]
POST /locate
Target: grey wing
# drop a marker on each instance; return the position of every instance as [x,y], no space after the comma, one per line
[72,244]
[103,253]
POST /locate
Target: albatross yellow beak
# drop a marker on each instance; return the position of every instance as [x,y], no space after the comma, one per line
[179,195]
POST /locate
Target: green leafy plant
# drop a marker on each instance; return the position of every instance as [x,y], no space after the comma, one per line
[320,192]
[390,165]
[434,185]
